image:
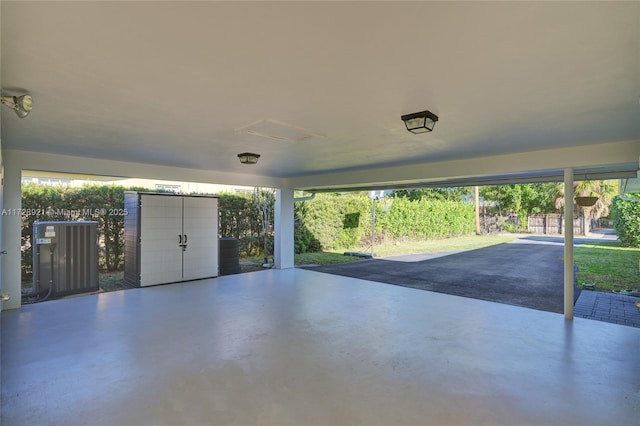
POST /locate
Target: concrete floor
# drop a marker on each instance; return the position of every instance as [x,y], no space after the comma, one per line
[300,347]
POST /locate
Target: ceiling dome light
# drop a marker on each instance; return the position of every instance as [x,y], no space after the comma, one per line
[22,105]
[248,158]
[420,122]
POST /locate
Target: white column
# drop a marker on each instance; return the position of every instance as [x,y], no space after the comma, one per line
[568,243]
[11,233]
[283,228]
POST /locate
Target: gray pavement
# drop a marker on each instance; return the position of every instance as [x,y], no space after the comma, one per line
[525,273]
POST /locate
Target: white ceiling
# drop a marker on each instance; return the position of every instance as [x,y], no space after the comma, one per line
[178,83]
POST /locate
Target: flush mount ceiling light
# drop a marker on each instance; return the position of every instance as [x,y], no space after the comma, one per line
[248,158]
[22,105]
[420,122]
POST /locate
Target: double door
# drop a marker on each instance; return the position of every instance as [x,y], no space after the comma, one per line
[178,238]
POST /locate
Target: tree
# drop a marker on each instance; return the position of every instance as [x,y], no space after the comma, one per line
[605,190]
[264,200]
[521,199]
[626,221]
[443,194]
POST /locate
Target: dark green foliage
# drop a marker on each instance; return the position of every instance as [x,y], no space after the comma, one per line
[351,220]
[43,201]
[240,218]
[303,239]
[522,199]
[331,218]
[426,219]
[626,221]
[325,219]
[450,194]
[104,204]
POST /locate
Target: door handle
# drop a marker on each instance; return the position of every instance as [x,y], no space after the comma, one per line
[185,238]
[3,252]
[180,240]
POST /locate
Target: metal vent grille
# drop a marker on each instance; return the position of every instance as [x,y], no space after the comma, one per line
[65,257]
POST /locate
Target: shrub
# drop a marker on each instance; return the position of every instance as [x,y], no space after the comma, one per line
[424,218]
[55,203]
[626,221]
[336,220]
[344,220]
[240,218]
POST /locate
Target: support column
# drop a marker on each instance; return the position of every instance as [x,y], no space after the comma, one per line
[568,243]
[476,193]
[11,233]
[283,229]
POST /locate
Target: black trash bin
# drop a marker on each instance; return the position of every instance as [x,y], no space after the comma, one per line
[229,256]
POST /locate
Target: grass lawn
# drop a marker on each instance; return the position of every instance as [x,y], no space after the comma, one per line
[404,247]
[467,242]
[609,265]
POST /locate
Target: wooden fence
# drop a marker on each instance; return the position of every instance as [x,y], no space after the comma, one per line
[492,223]
[554,224]
[539,224]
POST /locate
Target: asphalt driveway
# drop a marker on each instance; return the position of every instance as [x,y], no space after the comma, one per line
[527,272]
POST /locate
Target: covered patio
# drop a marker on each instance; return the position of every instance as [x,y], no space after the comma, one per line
[523,92]
[301,347]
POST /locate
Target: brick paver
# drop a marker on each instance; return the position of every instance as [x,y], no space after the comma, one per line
[608,307]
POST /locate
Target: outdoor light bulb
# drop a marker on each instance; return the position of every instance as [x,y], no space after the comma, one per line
[25,103]
[415,122]
[21,113]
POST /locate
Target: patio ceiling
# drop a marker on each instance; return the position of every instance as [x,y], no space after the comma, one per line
[191,84]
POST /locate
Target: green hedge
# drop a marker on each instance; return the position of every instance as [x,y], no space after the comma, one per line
[240,218]
[56,203]
[424,219]
[324,219]
[626,221]
[344,220]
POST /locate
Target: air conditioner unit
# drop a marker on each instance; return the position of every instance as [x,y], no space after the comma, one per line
[65,258]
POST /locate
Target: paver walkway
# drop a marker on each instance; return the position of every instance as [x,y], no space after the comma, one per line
[608,307]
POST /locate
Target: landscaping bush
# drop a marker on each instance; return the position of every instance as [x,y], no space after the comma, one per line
[325,218]
[424,219]
[344,220]
[240,218]
[303,239]
[626,221]
[104,204]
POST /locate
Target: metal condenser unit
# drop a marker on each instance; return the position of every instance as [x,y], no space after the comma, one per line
[65,258]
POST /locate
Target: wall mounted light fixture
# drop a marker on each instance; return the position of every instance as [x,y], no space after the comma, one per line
[22,105]
[420,122]
[248,158]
